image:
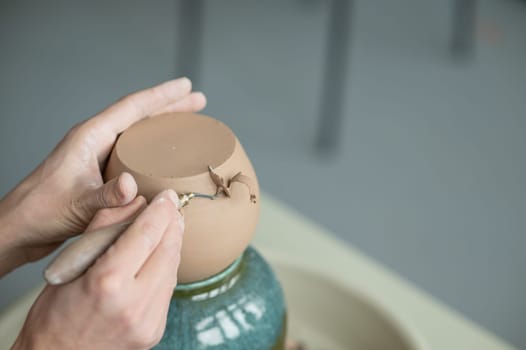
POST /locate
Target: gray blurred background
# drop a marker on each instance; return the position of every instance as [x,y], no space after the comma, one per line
[429,177]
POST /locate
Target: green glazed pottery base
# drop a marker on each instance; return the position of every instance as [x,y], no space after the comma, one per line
[242,307]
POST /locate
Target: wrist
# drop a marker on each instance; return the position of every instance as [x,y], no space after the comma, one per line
[26,341]
[11,254]
[20,343]
[7,228]
[36,336]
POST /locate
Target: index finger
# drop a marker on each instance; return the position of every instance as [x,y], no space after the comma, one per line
[139,105]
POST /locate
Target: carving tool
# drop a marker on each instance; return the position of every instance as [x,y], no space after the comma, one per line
[80,254]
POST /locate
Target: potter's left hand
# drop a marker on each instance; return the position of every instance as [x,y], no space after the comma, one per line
[60,197]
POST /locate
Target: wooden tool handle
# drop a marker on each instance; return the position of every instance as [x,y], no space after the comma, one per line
[80,254]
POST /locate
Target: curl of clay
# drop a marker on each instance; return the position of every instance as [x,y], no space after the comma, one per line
[219,182]
[247,181]
[224,187]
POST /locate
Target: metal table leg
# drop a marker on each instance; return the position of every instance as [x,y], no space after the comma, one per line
[190,38]
[336,66]
[464,23]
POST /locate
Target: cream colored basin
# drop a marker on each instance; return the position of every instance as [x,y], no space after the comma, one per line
[324,314]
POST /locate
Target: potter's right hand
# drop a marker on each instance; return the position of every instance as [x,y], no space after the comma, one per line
[122,300]
[60,198]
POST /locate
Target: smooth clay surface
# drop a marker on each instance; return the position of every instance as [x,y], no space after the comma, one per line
[175,151]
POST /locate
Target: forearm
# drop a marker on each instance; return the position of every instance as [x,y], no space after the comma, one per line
[11,229]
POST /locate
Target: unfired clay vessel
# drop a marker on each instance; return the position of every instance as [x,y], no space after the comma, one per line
[175,151]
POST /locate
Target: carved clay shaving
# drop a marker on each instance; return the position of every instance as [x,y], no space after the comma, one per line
[224,187]
[219,182]
[247,181]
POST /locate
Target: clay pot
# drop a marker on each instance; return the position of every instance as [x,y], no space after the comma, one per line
[174,151]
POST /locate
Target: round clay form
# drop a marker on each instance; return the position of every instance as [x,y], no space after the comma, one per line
[175,151]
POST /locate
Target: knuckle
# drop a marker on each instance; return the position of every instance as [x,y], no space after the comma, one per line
[102,197]
[75,211]
[149,230]
[74,129]
[112,194]
[127,99]
[150,227]
[129,319]
[156,220]
[132,102]
[105,286]
[79,131]
[93,124]
[158,93]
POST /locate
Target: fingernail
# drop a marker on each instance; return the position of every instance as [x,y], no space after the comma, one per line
[185,81]
[159,197]
[127,188]
[174,198]
[167,195]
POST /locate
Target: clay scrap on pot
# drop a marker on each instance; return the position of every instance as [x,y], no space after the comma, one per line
[224,186]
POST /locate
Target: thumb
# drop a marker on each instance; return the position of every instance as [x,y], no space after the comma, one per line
[117,192]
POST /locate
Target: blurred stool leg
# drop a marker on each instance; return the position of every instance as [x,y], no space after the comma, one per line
[335,74]
[464,26]
[189,40]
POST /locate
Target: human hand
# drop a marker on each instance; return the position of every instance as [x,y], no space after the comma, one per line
[122,301]
[62,195]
